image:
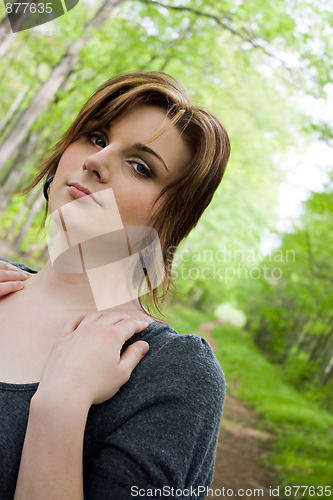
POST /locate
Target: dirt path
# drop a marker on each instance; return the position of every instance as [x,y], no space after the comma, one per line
[240,448]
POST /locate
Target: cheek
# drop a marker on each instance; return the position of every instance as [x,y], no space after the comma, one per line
[133,193]
[70,159]
[134,206]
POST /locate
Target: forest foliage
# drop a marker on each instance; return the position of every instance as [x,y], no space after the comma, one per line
[250,62]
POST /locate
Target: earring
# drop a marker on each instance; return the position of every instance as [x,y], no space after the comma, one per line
[46,187]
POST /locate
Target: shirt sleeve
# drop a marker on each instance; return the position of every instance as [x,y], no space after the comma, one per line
[21,266]
[167,448]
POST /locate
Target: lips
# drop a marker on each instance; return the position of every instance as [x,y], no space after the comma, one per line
[79,191]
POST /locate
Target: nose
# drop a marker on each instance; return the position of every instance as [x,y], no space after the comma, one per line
[96,165]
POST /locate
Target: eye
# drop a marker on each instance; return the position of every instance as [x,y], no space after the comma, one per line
[98,140]
[141,169]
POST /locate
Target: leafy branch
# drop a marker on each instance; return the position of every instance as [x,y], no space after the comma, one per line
[244,35]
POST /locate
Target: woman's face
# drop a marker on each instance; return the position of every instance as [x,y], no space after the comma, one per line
[123,160]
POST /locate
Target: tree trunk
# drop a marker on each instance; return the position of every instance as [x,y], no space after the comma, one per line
[15,177]
[326,357]
[30,199]
[36,207]
[17,134]
[13,108]
[327,372]
[6,29]
[6,35]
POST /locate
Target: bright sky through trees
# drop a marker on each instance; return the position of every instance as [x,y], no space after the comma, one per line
[308,171]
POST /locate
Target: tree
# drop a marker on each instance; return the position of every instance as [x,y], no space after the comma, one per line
[292,317]
[233,58]
[59,74]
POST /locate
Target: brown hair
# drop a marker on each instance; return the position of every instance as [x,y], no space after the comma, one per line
[185,199]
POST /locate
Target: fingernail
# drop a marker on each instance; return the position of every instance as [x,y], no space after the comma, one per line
[144,347]
[19,285]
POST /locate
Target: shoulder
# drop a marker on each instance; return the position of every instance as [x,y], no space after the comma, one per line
[162,426]
[183,364]
[164,341]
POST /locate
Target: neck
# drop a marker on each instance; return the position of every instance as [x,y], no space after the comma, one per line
[78,292]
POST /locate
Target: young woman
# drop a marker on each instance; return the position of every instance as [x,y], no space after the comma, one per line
[110,403]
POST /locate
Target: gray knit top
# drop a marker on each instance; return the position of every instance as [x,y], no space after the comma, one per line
[156,438]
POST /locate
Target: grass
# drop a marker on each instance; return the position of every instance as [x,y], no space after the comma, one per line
[302,451]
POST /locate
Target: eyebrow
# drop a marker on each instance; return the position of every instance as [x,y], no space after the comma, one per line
[146,149]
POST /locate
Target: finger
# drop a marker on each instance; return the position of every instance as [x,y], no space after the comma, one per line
[7,265]
[103,318]
[110,318]
[10,287]
[11,275]
[85,319]
[132,357]
[126,328]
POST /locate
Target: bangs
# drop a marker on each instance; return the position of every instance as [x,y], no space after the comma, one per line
[110,109]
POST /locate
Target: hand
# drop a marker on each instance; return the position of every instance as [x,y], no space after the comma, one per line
[85,365]
[11,278]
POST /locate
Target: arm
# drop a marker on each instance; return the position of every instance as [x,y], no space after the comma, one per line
[51,463]
[84,368]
